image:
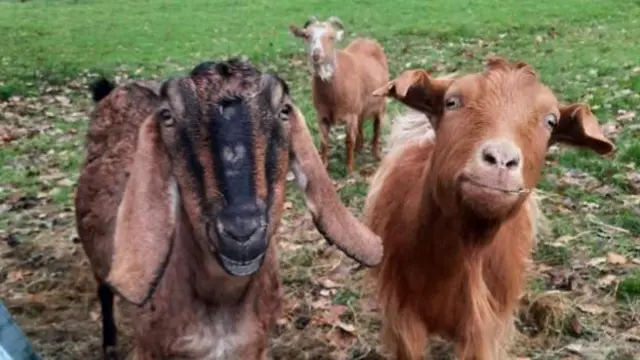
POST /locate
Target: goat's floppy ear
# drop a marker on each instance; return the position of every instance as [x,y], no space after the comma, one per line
[578,126]
[297,32]
[418,90]
[146,219]
[332,219]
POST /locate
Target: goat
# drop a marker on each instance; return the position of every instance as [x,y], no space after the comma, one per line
[342,83]
[456,211]
[180,194]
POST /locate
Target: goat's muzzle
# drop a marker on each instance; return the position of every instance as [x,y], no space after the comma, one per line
[240,238]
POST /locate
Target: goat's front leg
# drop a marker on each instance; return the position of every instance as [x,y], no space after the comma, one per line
[325,127]
[405,342]
[352,135]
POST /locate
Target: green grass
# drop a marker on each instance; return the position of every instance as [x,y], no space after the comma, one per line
[585,50]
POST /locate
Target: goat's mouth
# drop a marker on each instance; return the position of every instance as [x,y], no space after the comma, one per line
[239,256]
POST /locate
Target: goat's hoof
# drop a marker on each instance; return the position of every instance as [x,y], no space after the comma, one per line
[110,353]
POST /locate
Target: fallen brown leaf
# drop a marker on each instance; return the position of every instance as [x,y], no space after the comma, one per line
[616,259]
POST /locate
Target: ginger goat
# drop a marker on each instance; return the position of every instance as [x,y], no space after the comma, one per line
[456,211]
[179,197]
[342,83]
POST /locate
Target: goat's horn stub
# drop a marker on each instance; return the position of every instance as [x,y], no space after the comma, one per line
[332,219]
[335,21]
[312,20]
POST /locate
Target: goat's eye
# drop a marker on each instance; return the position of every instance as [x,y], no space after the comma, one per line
[285,113]
[551,120]
[452,103]
[167,117]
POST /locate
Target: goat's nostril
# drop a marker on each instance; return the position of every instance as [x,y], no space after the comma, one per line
[489,158]
[513,163]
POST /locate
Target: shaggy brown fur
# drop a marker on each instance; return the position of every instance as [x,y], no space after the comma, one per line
[455,211]
[342,83]
[179,196]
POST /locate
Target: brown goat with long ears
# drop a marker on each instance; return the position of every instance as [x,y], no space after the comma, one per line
[179,197]
[342,83]
[457,212]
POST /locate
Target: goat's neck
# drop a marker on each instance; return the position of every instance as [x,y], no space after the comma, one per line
[464,232]
[326,70]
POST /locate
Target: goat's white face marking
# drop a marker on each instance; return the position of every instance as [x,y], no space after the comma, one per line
[174,197]
[315,39]
[227,111]
[232,157]
[324,69]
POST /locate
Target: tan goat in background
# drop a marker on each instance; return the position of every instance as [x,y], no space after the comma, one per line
[179,197]
[342,82]
[456,212]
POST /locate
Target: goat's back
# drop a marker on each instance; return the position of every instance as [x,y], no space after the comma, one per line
[110,145]
[366,47]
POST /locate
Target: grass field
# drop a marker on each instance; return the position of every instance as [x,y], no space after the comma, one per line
[583,300]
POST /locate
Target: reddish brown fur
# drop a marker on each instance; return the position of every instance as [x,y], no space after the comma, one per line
[137,229]
[455,256]
[343,95]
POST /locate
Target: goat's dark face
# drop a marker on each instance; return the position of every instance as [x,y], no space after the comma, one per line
[210,163]
[223,130]
[492,132]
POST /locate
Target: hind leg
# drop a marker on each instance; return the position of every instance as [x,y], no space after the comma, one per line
[109,331]
[360,138]
[324,126]
[375,140]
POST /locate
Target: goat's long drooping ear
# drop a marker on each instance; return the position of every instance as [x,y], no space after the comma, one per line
[418,90]
[332,219]
[146,219]
[578,126]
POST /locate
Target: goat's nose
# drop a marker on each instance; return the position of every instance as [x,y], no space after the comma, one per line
[501,154]
[240,223]
[315,55]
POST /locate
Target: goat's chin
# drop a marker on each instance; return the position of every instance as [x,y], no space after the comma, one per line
[240,268]
[489,203]
[240,258]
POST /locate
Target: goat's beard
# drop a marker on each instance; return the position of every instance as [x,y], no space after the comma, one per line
[324,69]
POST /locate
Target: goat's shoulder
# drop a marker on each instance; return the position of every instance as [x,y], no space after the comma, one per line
[110,145]
[395,189]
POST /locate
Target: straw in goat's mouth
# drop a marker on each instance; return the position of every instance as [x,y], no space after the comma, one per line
[508,191]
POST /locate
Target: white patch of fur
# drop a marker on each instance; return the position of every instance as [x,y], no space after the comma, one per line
[298,173]
[218,337]
[325,71]
[408,127]
[315,44]
[231,156]
[174,197]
